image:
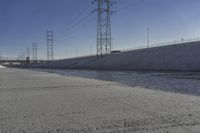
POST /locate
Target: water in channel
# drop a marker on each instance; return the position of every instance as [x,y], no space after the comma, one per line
[178,82]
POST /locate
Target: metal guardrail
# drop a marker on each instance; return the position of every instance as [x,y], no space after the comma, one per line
[163,44]
[145,46]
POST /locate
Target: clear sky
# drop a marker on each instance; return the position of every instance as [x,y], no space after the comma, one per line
[25,21]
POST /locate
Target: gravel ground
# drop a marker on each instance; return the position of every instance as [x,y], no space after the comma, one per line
[39,102]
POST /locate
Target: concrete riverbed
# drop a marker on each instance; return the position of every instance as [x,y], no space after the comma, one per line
[43,102]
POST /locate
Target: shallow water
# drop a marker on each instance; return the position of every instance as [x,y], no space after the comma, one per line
[178,82]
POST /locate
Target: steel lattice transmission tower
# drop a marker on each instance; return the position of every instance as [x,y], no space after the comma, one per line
[50,40]
[104,43]
[34,51]
[28,52]
[23,56]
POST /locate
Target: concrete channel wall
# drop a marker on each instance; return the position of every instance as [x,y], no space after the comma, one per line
[181,57]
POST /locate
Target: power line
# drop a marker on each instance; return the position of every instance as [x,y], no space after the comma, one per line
[80,22]
[79,29]
[80,26]
[76,18]
[130,4]
[75,24]
[71,20]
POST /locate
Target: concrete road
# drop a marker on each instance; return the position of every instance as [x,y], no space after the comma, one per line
[38,102]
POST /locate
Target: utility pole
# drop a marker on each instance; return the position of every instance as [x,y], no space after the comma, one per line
[104,44]
[34,51]
[91,49]
[76,52]
[50,39]
[148,37]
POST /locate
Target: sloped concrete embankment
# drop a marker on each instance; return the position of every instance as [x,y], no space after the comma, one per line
[181,57]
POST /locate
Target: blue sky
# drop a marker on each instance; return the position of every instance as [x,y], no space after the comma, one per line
[25,21]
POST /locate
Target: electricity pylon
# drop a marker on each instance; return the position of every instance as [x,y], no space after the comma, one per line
[104,42]
[50,40]
[34,51]
[28,52]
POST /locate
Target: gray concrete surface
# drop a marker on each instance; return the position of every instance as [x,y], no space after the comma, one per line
[181,57]
[39,102]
